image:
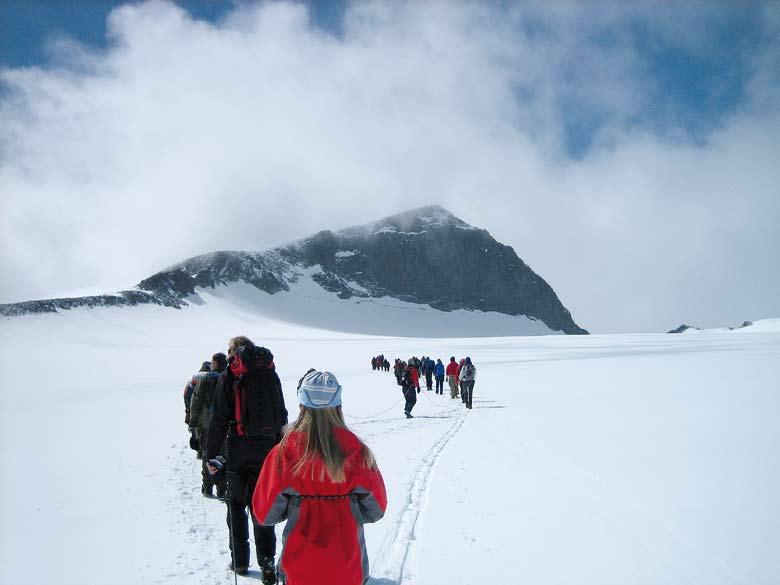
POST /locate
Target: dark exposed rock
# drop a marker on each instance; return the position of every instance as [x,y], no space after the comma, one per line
[173,282]
[127,298]
[682,328]
[424,256]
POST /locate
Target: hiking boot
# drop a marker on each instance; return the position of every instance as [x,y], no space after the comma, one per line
[222,494]
[267,570]
[240,570]
[408,415]
[207,490]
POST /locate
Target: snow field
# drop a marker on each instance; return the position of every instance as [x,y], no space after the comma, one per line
[600,459]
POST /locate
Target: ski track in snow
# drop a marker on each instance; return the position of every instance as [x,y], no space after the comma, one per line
[391,561]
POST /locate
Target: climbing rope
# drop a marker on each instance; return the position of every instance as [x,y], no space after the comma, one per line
[444,406]
[377,414]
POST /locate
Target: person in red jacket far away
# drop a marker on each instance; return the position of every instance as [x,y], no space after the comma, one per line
[325,482]
[415,365]
[452,377]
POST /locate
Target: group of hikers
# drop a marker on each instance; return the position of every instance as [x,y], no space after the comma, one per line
[315,473]
[461,376]
[380,363]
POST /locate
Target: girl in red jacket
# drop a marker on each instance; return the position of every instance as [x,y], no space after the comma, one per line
[325,482]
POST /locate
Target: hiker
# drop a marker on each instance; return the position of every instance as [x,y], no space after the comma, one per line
[409,389]
[414,364]
[386,365]
[189,388]
[250,405]
[460,382]
[438,373]
[325,482]
[468,374]
[452,377]
[428,371]
[398,370]
[201,407]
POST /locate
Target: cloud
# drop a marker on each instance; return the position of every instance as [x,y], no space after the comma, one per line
[185,136]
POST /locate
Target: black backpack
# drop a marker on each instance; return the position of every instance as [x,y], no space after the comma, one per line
[259,392]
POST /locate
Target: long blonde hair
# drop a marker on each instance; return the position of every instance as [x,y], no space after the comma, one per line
[319,426]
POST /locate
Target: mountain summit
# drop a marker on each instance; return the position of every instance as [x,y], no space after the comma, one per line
[425,256]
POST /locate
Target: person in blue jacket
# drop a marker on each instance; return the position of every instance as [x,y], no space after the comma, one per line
[438,373]
[427,370]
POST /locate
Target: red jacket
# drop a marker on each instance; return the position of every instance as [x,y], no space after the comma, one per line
[415,374]
[452,369]
[323,539]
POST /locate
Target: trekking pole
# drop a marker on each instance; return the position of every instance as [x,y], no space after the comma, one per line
[229,494]
[232,539]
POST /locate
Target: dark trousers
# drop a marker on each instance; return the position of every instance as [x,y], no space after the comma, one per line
[265,537]
[410,394]
[467,391]
[439,384]
[428,380]
[208,479]
[245,459]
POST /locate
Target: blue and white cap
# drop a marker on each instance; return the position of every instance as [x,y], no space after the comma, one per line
[319,390]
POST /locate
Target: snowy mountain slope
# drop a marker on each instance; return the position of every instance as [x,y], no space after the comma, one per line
[424,257]
[306,303]
[587,459]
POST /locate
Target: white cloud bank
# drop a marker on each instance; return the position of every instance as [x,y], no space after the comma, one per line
[185,137]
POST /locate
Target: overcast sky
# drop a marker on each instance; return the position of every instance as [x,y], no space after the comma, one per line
[629,154]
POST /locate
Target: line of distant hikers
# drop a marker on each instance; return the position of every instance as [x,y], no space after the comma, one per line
[461,376]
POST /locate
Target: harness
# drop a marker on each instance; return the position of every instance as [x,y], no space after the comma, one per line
[315,497]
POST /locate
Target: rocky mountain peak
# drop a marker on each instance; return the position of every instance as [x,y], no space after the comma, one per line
[424,256]
[414,221]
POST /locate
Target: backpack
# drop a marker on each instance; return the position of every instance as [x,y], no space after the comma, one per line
[406,378]
[248,358]
[469,369]
[257,394]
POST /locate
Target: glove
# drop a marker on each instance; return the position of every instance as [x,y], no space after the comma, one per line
[418,391]
[187,418]
[216,466]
